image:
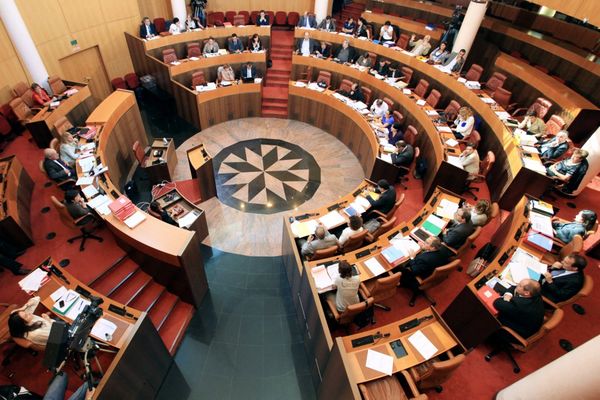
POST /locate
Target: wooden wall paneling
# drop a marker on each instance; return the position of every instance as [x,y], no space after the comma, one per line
[268,5]
[155,8]
[137,53]
[185,98]
[87,66]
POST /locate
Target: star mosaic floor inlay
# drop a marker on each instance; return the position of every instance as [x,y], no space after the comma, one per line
[265,175]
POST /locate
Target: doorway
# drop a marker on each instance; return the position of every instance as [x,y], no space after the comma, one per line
[87,66]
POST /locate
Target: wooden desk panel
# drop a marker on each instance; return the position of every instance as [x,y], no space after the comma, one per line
[216,61]
[404,24]
[400,6]
[17,187]
[227,103]
[195,36]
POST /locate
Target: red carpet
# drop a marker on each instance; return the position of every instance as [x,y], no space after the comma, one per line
[275,89]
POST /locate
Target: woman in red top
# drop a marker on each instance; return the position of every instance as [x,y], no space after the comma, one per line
[40,96]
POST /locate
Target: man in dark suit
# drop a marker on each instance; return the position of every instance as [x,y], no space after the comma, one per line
[56,169]
[328,24]
[457,231]
[522,311]
[433,254]
[564,279]
[248,72]
[306,46]
[263,19]
[386,200]
[307,21]
[404,154]
[552,149]
[147,29]
[234,44]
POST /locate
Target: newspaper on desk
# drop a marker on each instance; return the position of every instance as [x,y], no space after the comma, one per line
[332,218]
[304,228]
[523,265]
[447,208]
[541,223]
[406,245]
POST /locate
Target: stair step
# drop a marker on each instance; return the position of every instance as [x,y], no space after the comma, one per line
[276,85]
[173,330]
[274,101]
[281,65]
[135,285]
[107,270]
[116,277]
[161,309]
[273,93]
[278,78]
[272,114]
[274,107]
[147,297]
[281,57]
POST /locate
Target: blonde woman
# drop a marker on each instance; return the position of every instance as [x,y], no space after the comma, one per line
[68,149]
[464,123]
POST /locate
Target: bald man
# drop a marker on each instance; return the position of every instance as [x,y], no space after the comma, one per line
[56,169]
[522,311]
[320,240]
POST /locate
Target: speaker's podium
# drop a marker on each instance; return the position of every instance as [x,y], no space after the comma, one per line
[162,160]
[201,165]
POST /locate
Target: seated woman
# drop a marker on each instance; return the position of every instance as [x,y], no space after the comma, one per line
[533,124]
[22,323]
[40,96]
[349,26]
[255,44]
[387,120]
[464,123]
[361,29]
[159,212]
[175,28]
[364,61]
[354,226]
[68,149]
[438,54]
[480,212]
[347,287]
[584,222]
[395,134]
[570,172]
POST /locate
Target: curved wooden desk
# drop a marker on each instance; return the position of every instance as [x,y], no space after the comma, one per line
[139,347]
[432,144]
[170,254]
[15,202]
[405,25]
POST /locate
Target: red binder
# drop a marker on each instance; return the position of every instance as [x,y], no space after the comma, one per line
[122,208]
[488,296]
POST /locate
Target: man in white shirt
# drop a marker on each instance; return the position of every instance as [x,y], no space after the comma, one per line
[306,46]
[469,160]
[379,107]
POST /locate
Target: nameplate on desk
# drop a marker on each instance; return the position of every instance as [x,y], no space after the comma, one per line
[363,253]
[334,207]
[301,217]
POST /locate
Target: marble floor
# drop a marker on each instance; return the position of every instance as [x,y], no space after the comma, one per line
[256,233]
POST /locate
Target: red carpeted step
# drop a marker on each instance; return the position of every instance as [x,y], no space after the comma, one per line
[112,280]
[161,309]
[278,73]
[270,104]
[274,93]
[130,289]
[274,114]
[147,297]
[174,327]
[281,65]
[95,274]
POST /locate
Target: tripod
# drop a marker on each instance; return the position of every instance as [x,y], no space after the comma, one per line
[89,350]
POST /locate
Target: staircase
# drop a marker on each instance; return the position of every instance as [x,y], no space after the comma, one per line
[125,282]
[275,90]
[353,10]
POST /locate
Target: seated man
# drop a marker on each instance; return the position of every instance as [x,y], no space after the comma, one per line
[76,206]
[570,172]
[555,147]
[457,231]
[433,254]
[469,159]
[522,311]
[327,24]
[306,46]
[386,200]
[159,212]
[382,67]
[307,21]
[379,107]
[322,239]
[324,50]
[564,279]
[420,47]
[345,54]
[211,46]
[248,72]
[225,73]
[404,154]
[147,29]
[234,45]
[263,19]
[56,169]
[454,62]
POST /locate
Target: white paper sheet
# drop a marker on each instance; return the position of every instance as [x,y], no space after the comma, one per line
[444,128]
[89,191]
[380,362]
[85,180]
[406,244]
[322,279]
[374,266]
[33,281]
[187,220]
[331,219]
[104,329]
[451,142]
[135,219]
[98,201]
[77,308]
[58,293]
[422,344]
[421,102]
[455,161]
[363,202]
[541,223]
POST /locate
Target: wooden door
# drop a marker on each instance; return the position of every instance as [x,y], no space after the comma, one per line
[87,66]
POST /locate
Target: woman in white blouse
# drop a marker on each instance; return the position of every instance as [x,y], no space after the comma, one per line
[68,149]
[354,227]
[23,323]
[386,33]
[464,123]
[175,28]
[347,287]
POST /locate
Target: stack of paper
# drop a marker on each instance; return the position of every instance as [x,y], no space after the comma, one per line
[542,206]
[451,142]
[362,201]
[65,302]
[421,102]
[89,191]
[392,254]
[541,223]
[530,149]
[187,220]
[77,308]
[304,228]
[85,180]
[534,165]
[406,91]
[380,362]
[473,85]
[387,157]
[406,245]
[323,281]
[99,201]
[488,100]
[135,219]
[444,128]
[455,161]
[431,113]
[374,266]
[33,281]
[422,344]
[434,225]
[332,219]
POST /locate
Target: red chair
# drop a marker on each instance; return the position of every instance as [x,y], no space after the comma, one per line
[118,83]
[239,20]
[407,74]
[496,81]
[474,73]
[246,16]
[367,93]
[502,97]
[293,18]
[280,18]
[324,76]
[474,138]
[403,41]
[421,88]
[451,110]
[26,94]
[194,50]
[271,15]
[198,79]
[8,113]
[216,18]
[541,106]
[410,135]
[229,15]
[169,56]
[132,81]
[398,117]
[434,98]
[254,17]
[56,85]
[159,25]
[345,85]
[389,102]
[554,125]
